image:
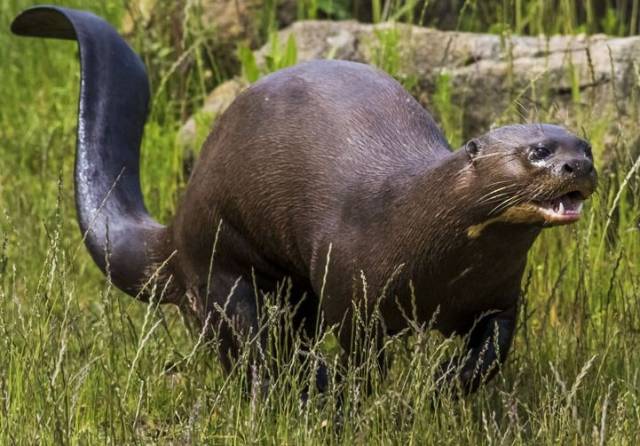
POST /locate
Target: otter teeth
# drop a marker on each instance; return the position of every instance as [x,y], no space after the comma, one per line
[565,207]
[570,206]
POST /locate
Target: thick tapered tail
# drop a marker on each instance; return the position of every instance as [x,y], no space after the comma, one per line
[122,238]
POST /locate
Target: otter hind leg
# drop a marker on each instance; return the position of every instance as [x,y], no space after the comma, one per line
[260,326]
[228,313]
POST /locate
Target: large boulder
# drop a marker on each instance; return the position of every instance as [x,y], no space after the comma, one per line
[489,74]
[489,78]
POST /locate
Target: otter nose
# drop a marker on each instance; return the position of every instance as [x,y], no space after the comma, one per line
[577,167]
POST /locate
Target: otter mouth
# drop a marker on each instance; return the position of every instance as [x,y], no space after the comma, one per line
[561,210]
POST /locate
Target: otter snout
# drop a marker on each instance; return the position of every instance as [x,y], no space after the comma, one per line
[577,167]
[579,172]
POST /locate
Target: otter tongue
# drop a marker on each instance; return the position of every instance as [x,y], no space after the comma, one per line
[566,205]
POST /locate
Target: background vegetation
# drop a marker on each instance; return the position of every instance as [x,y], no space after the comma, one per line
[81,363]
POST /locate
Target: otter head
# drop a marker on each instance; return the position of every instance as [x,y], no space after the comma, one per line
[538,174]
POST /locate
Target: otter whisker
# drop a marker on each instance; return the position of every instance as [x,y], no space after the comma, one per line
[503,189]
[499,183]
[514,200]
[496,197]
[495,194]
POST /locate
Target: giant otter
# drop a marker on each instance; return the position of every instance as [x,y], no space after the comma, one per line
[328,174]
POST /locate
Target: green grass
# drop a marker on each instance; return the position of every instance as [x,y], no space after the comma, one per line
[619,17]
[80,363]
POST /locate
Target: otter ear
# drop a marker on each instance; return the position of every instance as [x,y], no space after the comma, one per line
[472,147]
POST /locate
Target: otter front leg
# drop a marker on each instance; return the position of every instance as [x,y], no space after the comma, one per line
[487,346]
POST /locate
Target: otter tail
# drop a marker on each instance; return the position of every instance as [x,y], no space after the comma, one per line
[122,238]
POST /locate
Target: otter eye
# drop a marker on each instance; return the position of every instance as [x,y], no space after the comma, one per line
[539,152]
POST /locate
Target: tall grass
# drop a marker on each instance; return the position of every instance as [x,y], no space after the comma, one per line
[618,17]
[83,364]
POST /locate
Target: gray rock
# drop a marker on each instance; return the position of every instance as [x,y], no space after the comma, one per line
[489,74]
[491,78]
